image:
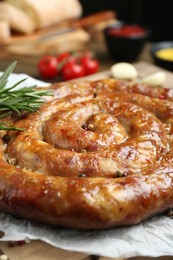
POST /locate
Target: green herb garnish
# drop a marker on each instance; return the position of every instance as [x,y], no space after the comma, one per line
[16,98]
[119,174]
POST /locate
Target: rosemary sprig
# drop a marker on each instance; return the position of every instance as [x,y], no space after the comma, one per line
[16,98]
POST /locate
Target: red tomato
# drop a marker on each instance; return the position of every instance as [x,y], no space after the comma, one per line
[63,56]
[90,64]
[48,67]
[62,59]
[73,69]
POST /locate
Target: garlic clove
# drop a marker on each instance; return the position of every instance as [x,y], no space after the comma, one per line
[124,70]
[157,78]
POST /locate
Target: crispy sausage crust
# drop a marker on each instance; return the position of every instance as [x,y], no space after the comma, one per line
[97,155]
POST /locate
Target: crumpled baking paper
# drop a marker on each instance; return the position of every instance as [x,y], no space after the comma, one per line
[152,238]
[14,78]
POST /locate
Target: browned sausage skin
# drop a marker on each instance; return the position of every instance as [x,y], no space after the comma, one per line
[97,155]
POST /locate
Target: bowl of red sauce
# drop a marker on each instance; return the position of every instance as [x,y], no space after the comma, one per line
[125,41]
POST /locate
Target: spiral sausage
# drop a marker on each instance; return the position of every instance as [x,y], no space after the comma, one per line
[97,155]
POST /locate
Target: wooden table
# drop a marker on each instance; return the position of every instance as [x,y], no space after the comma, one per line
[37,250]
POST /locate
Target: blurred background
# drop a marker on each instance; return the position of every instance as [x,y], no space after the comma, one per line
[28,48]
[155,14]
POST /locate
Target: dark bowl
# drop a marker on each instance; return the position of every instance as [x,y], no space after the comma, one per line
[158,54]
[125,41]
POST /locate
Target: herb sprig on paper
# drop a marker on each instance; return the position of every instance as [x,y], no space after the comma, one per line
[17,98]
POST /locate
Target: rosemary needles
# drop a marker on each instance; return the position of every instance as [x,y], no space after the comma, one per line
[16,98]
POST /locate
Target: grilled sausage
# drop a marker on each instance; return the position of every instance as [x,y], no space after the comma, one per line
[97,155]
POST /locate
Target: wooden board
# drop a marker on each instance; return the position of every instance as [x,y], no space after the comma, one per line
[68,35]
[38,250]
[73,40]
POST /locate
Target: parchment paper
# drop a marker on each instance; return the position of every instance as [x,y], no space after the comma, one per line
[151,238]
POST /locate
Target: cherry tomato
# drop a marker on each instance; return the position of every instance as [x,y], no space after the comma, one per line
[63,56]
[62,59]
[90,64]
[48,67]
[73,69]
